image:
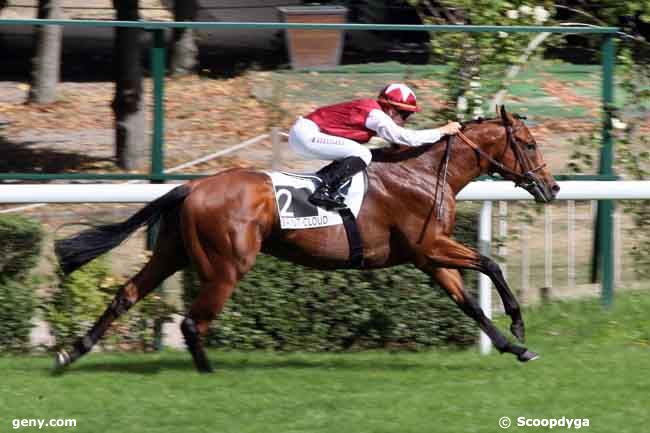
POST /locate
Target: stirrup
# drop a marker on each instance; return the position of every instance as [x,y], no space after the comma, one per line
[323,197]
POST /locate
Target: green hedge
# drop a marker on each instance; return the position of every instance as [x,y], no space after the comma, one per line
[20,246]
[283,306]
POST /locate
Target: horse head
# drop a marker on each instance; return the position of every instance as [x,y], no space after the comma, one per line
[507,147]
[522,162]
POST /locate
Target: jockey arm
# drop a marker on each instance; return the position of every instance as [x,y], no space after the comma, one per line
[390,131]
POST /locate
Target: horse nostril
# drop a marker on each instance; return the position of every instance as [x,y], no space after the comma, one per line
[555,188]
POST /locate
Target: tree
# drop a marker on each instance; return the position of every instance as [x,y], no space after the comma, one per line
[471,80]
[184,50]
[47,55]
[127,103]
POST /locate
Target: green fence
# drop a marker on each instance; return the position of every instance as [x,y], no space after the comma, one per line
[604,232]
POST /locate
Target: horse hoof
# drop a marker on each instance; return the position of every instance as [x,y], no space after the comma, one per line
[517,330]
[206,369]
[61,360]
[528,355]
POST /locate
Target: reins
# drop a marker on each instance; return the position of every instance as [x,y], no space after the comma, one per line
[523,178]
[444,169]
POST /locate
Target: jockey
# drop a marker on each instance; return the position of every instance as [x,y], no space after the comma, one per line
[335,132]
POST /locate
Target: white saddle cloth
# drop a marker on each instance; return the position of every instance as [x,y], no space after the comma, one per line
[296,212]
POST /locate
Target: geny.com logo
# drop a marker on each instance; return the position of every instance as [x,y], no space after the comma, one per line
[40,423]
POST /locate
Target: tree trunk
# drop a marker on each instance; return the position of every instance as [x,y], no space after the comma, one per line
[47,55]
[183,59]
[128,107]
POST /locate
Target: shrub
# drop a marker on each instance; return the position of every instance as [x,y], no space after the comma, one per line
[283,306]
[20,246]
[17,301]
[78,301]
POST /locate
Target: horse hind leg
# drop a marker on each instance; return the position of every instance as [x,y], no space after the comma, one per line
[204,309]
[164,262]
[219,275]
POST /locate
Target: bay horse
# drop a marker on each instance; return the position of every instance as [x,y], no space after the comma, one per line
[222,222]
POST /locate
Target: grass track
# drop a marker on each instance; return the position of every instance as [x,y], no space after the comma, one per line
[594,365]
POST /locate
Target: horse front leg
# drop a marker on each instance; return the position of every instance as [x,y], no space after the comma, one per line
[449,253]
[451,281]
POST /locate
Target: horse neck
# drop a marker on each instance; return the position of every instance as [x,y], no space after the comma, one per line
[489,137]
[421,172]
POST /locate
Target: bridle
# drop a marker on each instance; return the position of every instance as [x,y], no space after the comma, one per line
[525,178]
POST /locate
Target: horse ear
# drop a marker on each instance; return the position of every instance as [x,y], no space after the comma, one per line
[505,116]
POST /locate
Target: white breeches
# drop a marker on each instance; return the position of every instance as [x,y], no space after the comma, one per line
[306,140]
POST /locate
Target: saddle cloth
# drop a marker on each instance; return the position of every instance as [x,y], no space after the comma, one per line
[296,212]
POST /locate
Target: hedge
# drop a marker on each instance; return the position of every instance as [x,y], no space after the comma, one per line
[283,306]
[20,246]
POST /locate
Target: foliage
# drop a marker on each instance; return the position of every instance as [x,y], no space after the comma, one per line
[17,301]
[77,301]
[20,245]
[478,61]
[282,306]
[628,123]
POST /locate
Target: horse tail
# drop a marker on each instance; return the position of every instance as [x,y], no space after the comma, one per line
[77,250]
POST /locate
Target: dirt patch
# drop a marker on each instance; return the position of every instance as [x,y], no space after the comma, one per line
[567,95]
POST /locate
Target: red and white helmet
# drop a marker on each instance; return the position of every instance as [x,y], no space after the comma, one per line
[400,96]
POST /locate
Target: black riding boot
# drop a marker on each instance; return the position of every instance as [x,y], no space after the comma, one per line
[334,175]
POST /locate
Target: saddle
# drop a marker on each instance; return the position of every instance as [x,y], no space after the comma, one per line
[292,191]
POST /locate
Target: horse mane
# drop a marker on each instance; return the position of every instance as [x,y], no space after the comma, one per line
[398,154]
[402,153]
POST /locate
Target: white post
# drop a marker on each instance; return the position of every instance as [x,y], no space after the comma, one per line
[618,250]
[571,235]
[276,149]
[525,259]
[548,248]
[503,235]
[484,285]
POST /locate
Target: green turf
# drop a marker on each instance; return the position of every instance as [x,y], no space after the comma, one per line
[594,365]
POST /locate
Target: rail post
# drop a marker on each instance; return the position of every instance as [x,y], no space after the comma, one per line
[484,285]
[604,236]
[157,169]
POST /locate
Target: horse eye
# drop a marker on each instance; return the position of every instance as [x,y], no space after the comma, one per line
[530,146]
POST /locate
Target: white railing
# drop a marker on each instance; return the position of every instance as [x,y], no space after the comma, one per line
[476,191]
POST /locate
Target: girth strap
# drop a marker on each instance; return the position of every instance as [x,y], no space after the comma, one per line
[354,237]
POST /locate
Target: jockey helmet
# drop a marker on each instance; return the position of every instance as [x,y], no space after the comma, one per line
[399,96]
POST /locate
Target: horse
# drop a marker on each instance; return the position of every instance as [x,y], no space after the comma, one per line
[221,223]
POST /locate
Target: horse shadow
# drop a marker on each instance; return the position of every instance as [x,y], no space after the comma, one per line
[156,366]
